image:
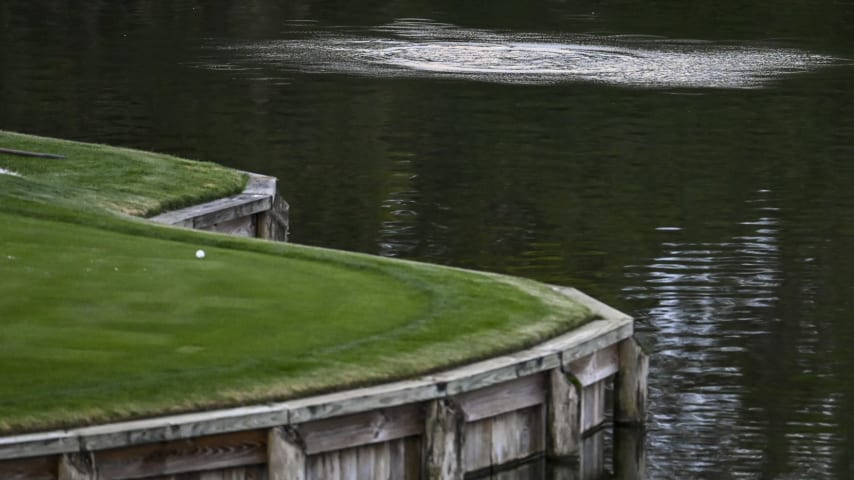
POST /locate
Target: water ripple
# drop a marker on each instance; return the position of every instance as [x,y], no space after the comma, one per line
[419,48]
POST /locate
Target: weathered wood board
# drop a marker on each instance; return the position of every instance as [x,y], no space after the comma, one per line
[502,398]
[35,468]
[374,426]
[494,441]
[592,406]
[203,453]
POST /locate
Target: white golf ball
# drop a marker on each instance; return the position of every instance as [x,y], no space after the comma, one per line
[200,254]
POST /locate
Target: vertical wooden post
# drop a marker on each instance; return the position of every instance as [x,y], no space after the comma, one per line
[443,441]
[77,466]
[273,224]
[563,422]
[631,388]
[285,454]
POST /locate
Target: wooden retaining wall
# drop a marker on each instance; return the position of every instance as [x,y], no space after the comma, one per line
[472,421]
[259,211]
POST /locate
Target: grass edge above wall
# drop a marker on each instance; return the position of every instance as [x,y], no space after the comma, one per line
[58,239]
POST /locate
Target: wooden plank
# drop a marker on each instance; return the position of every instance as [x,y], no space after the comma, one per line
[443,439]
[592,406]
[382,461]
[323,466]
[362,428]
[239,206]
[261,184]
[286,458]
[397,459]
[517,435]
[217,211]
[37,468]
[365,465]
[76,466]
[274,223]
[535,443]
[139,432]
[257,472]
[477,445]
[631,384]
[502,398]
[238,227]
[203,453]
[363,399]
[506,430]
[413,458]
[563,427]
[597,366]
[349,460]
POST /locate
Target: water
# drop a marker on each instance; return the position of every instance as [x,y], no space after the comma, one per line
[424,49]
[687,162]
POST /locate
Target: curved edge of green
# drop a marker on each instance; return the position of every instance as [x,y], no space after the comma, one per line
[502,314]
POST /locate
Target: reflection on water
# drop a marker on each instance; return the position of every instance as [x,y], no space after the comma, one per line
[709,299]
[418,48]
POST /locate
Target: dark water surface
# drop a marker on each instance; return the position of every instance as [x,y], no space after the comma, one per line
[689,162]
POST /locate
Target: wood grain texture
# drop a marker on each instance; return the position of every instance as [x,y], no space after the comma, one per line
[274,223]
[517,435]
[36,468]
[631,384]
[592,406]
[493,442]
[349,459]
[239,473]
[238,227]
[362,428]
[563,425]
[324,466]
[597,366]
[477,445]
[286,459]
[443,441]
[203,453]
[503,397]
[217,211]
[76,466]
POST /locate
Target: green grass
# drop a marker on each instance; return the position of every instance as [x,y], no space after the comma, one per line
[98,177]
[104,317]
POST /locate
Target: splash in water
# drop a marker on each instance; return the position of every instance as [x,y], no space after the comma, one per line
[427,49]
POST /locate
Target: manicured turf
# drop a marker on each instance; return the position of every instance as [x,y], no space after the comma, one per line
[105,317]
[98,177]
